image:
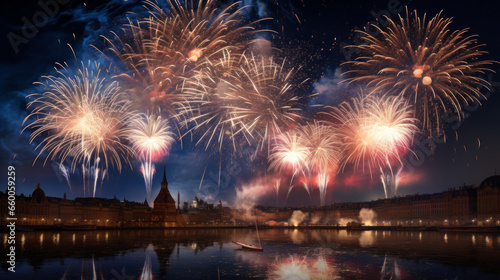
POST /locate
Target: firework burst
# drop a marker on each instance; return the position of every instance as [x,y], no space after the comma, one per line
[269,100]
[289,153]
[151,139]
[425,61]
[248,98]
[375,132]
[165,48]
[211,103]
[82,116]
[311,150]
[324,150]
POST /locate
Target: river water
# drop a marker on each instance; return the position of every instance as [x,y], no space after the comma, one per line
[288,254]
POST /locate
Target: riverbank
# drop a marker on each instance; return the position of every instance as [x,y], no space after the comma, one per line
[471,229]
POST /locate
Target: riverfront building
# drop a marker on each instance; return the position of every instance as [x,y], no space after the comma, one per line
[41,210]
[465,206]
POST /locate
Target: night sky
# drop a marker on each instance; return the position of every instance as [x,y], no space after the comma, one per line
[309,33]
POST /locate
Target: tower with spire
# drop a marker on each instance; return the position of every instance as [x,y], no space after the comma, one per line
[164,211]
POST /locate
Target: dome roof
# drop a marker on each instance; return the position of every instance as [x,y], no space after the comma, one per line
[38,194]
[493,181]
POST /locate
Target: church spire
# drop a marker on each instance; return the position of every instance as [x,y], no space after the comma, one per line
[164,175]
[164,183]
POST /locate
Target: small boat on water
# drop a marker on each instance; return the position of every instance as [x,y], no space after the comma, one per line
[251,247]
[248,247]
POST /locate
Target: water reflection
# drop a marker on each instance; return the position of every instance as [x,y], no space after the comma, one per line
[489,241]
[147,270]
[87,271]
[288,253]
[302,267]
[366,238]
[390,270]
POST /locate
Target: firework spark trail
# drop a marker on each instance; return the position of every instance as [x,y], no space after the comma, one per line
[324,146]
[91,172]
[322,185]
[211,103]
[241,98]
[376,133]
[290,187]
[435,68]
[288,153]
[151,139]
[104,174]
[395,128]
[270,96]
[312,149]
[390,180]
[81,116]
[307,188]
[95,174]
[168,47]
[66,174]
[277,189]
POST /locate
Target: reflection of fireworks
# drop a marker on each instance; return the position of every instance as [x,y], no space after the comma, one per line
[86,272]
[295,267]
[376,132]
[390,272]
[425,61]
[83,117]
[167,46]
[147,271]
[151,138]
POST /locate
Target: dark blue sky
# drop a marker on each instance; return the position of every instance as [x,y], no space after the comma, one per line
[312,43]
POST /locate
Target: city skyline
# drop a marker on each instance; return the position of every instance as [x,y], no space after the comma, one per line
[452,164]
[250,139]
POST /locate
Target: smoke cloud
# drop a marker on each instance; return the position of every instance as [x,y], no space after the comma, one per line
[329,91]
[367,216]
[298,217]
